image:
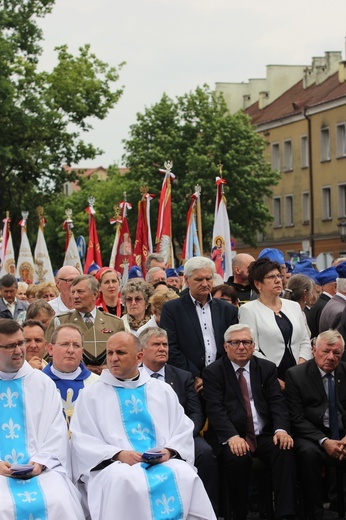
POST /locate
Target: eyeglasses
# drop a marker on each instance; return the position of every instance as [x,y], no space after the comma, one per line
[236,342]
[68,344]
[136,299]
[274,277]
[67,280]
[12,346]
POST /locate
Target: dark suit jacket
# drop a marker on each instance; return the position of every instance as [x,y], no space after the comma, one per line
[186,346]
[331,313]
[314,315]
[307,399]
[225,405]
[182,383]
[95,338]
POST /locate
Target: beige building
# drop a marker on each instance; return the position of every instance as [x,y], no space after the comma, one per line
[303,120]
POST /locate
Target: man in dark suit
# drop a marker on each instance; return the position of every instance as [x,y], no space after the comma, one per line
[332,311]
[10,306]
[316,396]
[95,325]
[155,356]
[327,280]
[248,417]
[195,323]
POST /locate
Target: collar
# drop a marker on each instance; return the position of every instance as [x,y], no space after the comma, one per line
[66,375]
[246,367]
[196,302]
[93,313]
[343,296]
[161,371]
[323,373]
[10,304]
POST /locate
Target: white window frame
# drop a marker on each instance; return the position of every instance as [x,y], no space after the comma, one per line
[341,140]
[325,144]
[275,157]
[277,212]
[304,151]
[326,203]
[289,210]
[305,207]
[288,155]
[342,200]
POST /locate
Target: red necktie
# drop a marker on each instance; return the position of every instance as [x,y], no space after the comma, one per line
[250,431]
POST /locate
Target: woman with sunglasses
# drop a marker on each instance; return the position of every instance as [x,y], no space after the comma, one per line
[278,325]
[135,297]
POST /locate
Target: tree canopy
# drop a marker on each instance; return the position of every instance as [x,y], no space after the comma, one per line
[197,133]
[44,116]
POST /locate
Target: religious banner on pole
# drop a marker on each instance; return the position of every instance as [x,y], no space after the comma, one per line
[221,252]
[143,242]
[191,243]
[164,244]
[122,247]
[71,250]
[25,263]
[93,255]
[8,265]
[4,234]
[43,267]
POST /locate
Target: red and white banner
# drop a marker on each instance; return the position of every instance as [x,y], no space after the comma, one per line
[221,252]
[93,255]
[143,242]
[164,222]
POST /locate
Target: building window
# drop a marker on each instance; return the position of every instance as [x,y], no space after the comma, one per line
[276,164]
[326,203]
[277,211]
[342,200]
[289,219]
[288,156]
[304,148]
[341,140]
[325,144]
[306,208]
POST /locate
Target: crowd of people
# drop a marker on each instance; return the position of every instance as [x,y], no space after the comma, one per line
[154,398]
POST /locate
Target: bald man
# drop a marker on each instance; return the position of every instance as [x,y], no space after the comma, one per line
[63,303]
[240,280]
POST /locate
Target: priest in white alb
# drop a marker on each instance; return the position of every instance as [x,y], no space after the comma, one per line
[116,422]
[34,456]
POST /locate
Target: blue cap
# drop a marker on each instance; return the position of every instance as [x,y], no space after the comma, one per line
[135,272]
[273,254]
[171,273]
[289,267]
[326,276]
[180,269]
[93,267]
[341,270]
[305,267]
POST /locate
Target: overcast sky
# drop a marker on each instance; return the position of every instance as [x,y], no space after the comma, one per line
[173,46]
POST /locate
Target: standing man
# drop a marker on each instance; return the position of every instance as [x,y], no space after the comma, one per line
[32,433]
[240,278]
[248,418]
[332,311]
[155,260]
[327,280]
[36,343]
[96,326]
[116,421]
[316,397]
[155,356]
[63,304]
[195,323]
[10,306]
[66,368]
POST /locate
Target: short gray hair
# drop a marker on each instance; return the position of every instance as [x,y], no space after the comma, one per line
[330,337]
[153,256]
[150,332]
[93,284]
[237,327]
[341,284]
[154,270]
[198,262]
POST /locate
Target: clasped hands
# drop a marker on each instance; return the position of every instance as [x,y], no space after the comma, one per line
[132,457]
[335,448]
[5,470]
[240,447]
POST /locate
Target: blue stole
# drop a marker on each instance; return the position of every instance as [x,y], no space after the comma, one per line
[164,496]
[28,498]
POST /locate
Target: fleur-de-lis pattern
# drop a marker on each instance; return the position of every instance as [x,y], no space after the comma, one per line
[135,404]
[27,496]
[164,501]
[10,396]
[142,432]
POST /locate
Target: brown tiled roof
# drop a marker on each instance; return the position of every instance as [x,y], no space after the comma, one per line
[328,90]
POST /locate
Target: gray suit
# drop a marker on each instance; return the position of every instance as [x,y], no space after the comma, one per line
[331,313]
[5,312]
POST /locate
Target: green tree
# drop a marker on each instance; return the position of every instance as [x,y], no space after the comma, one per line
[197,132]
[44,116]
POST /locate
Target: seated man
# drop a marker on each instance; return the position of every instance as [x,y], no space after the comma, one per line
[248,417]
[66,369]
[32,433]
[316,396]
[155,356]
[36,344]
[115,421]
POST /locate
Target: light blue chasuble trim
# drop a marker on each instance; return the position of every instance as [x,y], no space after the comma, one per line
[164,495]
[28,498]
